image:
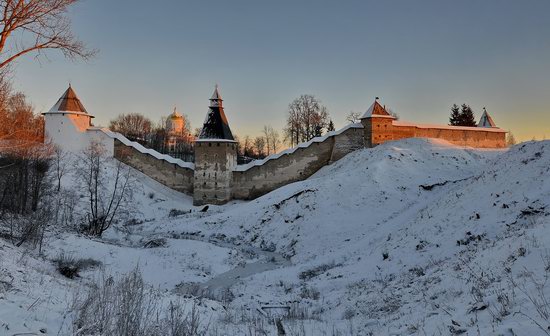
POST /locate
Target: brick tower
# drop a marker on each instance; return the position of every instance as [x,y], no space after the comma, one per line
[377,125]
[215,157]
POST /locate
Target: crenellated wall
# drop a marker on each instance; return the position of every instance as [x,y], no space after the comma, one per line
[295,164]
[215,179]
[170,174]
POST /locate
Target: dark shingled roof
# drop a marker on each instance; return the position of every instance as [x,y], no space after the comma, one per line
[216,125]
[486,120]
[69,102]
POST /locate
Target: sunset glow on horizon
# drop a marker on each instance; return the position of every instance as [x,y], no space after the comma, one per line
[419,58]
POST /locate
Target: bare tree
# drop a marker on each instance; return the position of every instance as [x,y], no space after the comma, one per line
[272,140]
[134,126]
[259,146]
[392,113]
[510,139]
[107,195]
[20,129]
[37,25]
[247,146]
[306,119]
[60,164]
[353,117]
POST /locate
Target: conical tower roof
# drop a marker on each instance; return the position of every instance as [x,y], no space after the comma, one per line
[486,120]
[215,125]
[216,95]
[376,110]
[69,102]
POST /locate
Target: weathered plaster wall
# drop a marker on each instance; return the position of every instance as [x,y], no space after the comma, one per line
[275,173]
[169,174]
[346,142]
[214,164]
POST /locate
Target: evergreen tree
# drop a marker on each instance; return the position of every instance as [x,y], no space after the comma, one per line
[454,120]
[467,117]
[330,127]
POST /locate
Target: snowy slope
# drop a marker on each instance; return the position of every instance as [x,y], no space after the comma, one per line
[411,237]
[378,234]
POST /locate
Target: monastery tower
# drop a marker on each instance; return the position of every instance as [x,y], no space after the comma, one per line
[215,156]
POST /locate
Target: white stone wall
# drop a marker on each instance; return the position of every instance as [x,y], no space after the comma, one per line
[72,132]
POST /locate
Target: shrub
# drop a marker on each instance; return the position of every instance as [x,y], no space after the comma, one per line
[176,213]
[316,271]
[70,267]
[157,242]
[308,292]
[127,306]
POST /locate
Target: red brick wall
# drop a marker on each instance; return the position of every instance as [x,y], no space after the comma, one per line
[380,130]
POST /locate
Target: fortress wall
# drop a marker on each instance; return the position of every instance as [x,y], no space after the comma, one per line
[477,137]
[170,174]
[380,130]
[288,168]
[346,142]
[295,164]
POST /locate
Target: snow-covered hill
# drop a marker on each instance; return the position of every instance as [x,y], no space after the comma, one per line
[411,237]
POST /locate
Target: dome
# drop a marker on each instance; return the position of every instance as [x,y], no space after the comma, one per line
[175,115]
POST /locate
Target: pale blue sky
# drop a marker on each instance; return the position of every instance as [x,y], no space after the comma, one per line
[419,57]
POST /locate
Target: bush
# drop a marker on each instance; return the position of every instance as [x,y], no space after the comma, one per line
[308,292]
[176,213]
[70,266]
[157,242]
[316,271]
[197,290]
[127,306]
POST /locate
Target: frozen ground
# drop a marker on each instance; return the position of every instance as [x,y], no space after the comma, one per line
[411,237]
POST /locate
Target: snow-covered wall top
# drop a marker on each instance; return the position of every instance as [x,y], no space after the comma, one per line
[145,150]
[288,151]
[461,128]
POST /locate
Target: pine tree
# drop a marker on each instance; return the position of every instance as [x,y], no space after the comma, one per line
[467,117]
[330,127]
[454,120]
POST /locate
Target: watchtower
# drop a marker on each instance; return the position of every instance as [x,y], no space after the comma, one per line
[215,157]
[377,125]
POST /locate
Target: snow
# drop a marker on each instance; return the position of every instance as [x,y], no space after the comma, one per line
[254,163]
[414,236]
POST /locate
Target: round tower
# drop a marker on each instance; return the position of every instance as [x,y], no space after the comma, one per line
[215,156]
[67,121]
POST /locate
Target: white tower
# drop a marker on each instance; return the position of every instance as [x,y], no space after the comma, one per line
[69,126]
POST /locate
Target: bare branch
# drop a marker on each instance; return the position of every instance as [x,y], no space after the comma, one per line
[44,22]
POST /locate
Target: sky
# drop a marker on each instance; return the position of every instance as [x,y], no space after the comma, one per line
[419,57]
